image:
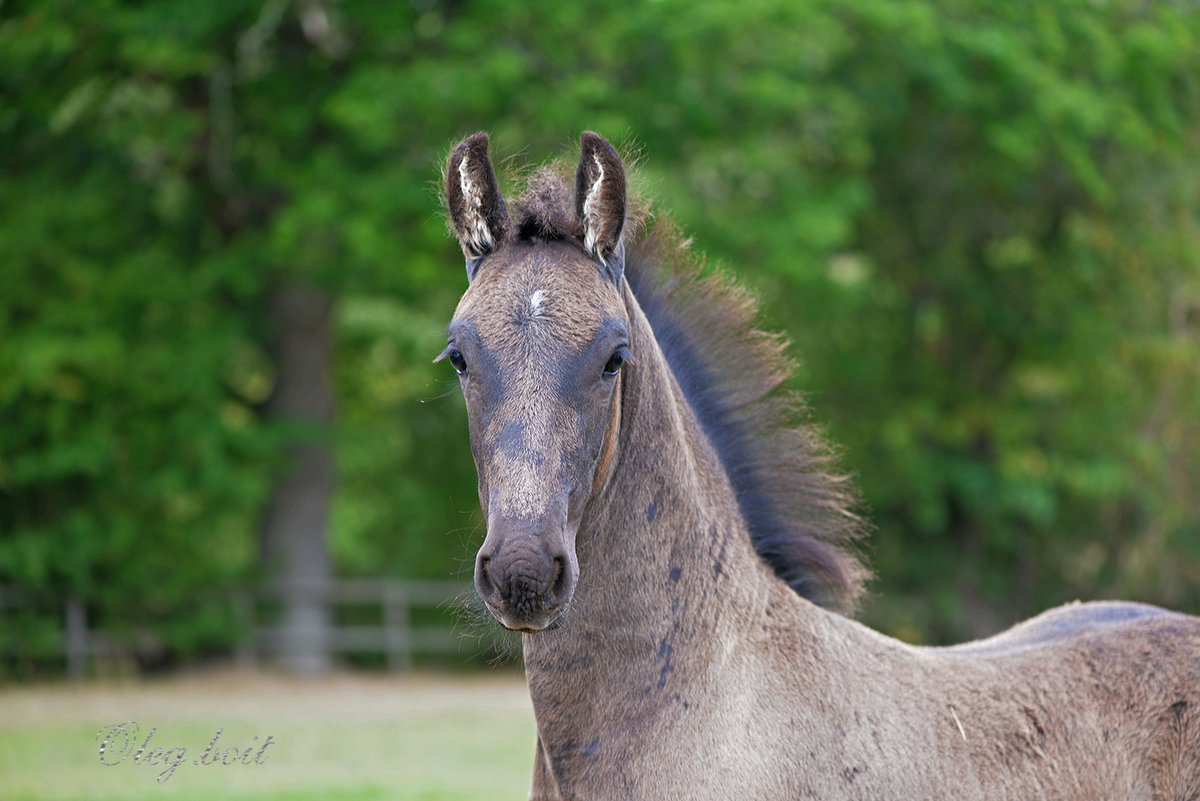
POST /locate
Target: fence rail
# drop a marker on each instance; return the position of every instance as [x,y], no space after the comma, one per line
[390,601]
[394,636]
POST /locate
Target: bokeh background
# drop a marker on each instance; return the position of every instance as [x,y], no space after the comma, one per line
[224,273]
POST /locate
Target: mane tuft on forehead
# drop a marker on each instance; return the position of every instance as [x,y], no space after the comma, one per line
[545,209]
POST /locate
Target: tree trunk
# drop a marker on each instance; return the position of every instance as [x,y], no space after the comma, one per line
[294,548]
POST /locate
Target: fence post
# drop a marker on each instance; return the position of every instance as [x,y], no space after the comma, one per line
[245,648]
[396,627]
[76,637]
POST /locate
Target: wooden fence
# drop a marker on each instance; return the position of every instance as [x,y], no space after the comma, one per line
[395,636]
[391,602]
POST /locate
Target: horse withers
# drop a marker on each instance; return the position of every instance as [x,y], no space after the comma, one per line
[677,547]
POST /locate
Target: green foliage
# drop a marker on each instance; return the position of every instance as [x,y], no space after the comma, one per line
[1008,408]
[976,219]
[131,467]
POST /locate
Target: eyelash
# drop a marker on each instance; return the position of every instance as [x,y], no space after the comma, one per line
[457,361]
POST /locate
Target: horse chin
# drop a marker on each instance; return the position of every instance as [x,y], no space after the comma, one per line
[552,621]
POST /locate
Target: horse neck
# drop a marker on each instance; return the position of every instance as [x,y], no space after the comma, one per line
[677,628]
[666,562]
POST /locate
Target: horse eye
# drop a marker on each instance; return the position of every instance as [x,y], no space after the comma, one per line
[456,359]
[613,366]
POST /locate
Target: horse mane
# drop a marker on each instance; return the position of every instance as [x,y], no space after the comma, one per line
[797,505]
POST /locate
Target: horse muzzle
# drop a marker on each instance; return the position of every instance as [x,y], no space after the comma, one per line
[525,581]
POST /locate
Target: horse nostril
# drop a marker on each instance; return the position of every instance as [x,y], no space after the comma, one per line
[559,584]
[487,586]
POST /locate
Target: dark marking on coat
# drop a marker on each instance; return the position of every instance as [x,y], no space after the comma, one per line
[664,653]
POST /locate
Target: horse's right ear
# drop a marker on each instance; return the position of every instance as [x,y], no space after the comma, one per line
[478,214]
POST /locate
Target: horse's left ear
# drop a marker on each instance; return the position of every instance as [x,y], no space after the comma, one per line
[600,202]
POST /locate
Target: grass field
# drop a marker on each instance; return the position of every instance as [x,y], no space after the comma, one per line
[359,737]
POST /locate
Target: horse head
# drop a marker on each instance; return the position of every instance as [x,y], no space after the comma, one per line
[539,341]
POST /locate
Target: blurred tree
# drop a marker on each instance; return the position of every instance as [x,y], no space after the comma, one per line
[297,516]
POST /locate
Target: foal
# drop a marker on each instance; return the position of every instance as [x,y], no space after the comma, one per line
[671,541]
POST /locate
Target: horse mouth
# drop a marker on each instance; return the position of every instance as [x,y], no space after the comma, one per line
[548,622]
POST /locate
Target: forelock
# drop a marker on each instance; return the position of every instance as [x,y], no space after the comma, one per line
[545,210]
